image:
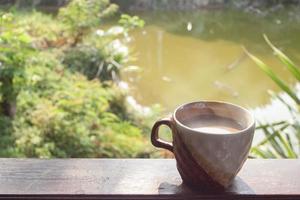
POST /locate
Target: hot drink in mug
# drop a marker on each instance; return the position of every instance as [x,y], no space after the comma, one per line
[211,141]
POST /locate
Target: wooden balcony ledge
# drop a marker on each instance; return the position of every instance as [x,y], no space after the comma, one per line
[138,179]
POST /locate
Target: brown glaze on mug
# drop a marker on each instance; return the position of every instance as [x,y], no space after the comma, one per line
[207,159]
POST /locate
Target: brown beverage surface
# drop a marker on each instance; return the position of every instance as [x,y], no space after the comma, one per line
[213,124]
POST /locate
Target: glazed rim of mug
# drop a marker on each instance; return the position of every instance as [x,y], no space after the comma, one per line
[250,124]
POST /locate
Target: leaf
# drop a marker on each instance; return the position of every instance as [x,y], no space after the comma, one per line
[274,77]
[262,153]
[272,124]
[267,139]
[290,144]
[273,142]
[284,144]
[284,59]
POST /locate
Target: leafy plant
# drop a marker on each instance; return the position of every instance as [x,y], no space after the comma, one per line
[129,22]
[282,139]
[64,112]
[80,16]
[103,54]
[15,45]
[65,115]
[43,37]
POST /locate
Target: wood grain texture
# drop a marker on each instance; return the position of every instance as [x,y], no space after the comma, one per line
[138,179]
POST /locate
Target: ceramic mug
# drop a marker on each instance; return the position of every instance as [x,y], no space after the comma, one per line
[206,159]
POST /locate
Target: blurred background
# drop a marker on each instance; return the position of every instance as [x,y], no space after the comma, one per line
[88,78]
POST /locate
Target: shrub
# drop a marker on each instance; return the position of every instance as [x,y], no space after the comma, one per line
[63,111]
[96,53]
[62,114]
[80,16]
[14,48]
[43,29]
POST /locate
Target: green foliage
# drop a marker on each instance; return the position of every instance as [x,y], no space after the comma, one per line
[103,53]
[63,109]
[268,70]
[95,62]
[80,16]
[87,60]
[62,114]
[71,119]
[277,142]
[282,139]
[285,60]
[129,22]
[85,14]
[15,46]
[42,36]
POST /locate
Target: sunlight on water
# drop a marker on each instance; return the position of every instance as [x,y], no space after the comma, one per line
[198,55]
[194,56]
[177,69]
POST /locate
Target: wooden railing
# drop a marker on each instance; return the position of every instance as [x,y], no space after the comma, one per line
[138,179]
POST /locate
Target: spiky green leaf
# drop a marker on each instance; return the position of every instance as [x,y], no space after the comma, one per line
[284,59]
[274,77]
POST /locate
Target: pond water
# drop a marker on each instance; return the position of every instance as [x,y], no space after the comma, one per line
[188,56]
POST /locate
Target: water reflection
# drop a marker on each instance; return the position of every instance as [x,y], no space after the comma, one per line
[196,55]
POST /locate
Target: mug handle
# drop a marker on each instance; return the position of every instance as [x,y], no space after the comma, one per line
[156,141]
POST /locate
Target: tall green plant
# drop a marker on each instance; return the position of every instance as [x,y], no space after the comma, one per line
[282,139]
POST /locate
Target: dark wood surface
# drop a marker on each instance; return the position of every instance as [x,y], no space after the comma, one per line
[138,179]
